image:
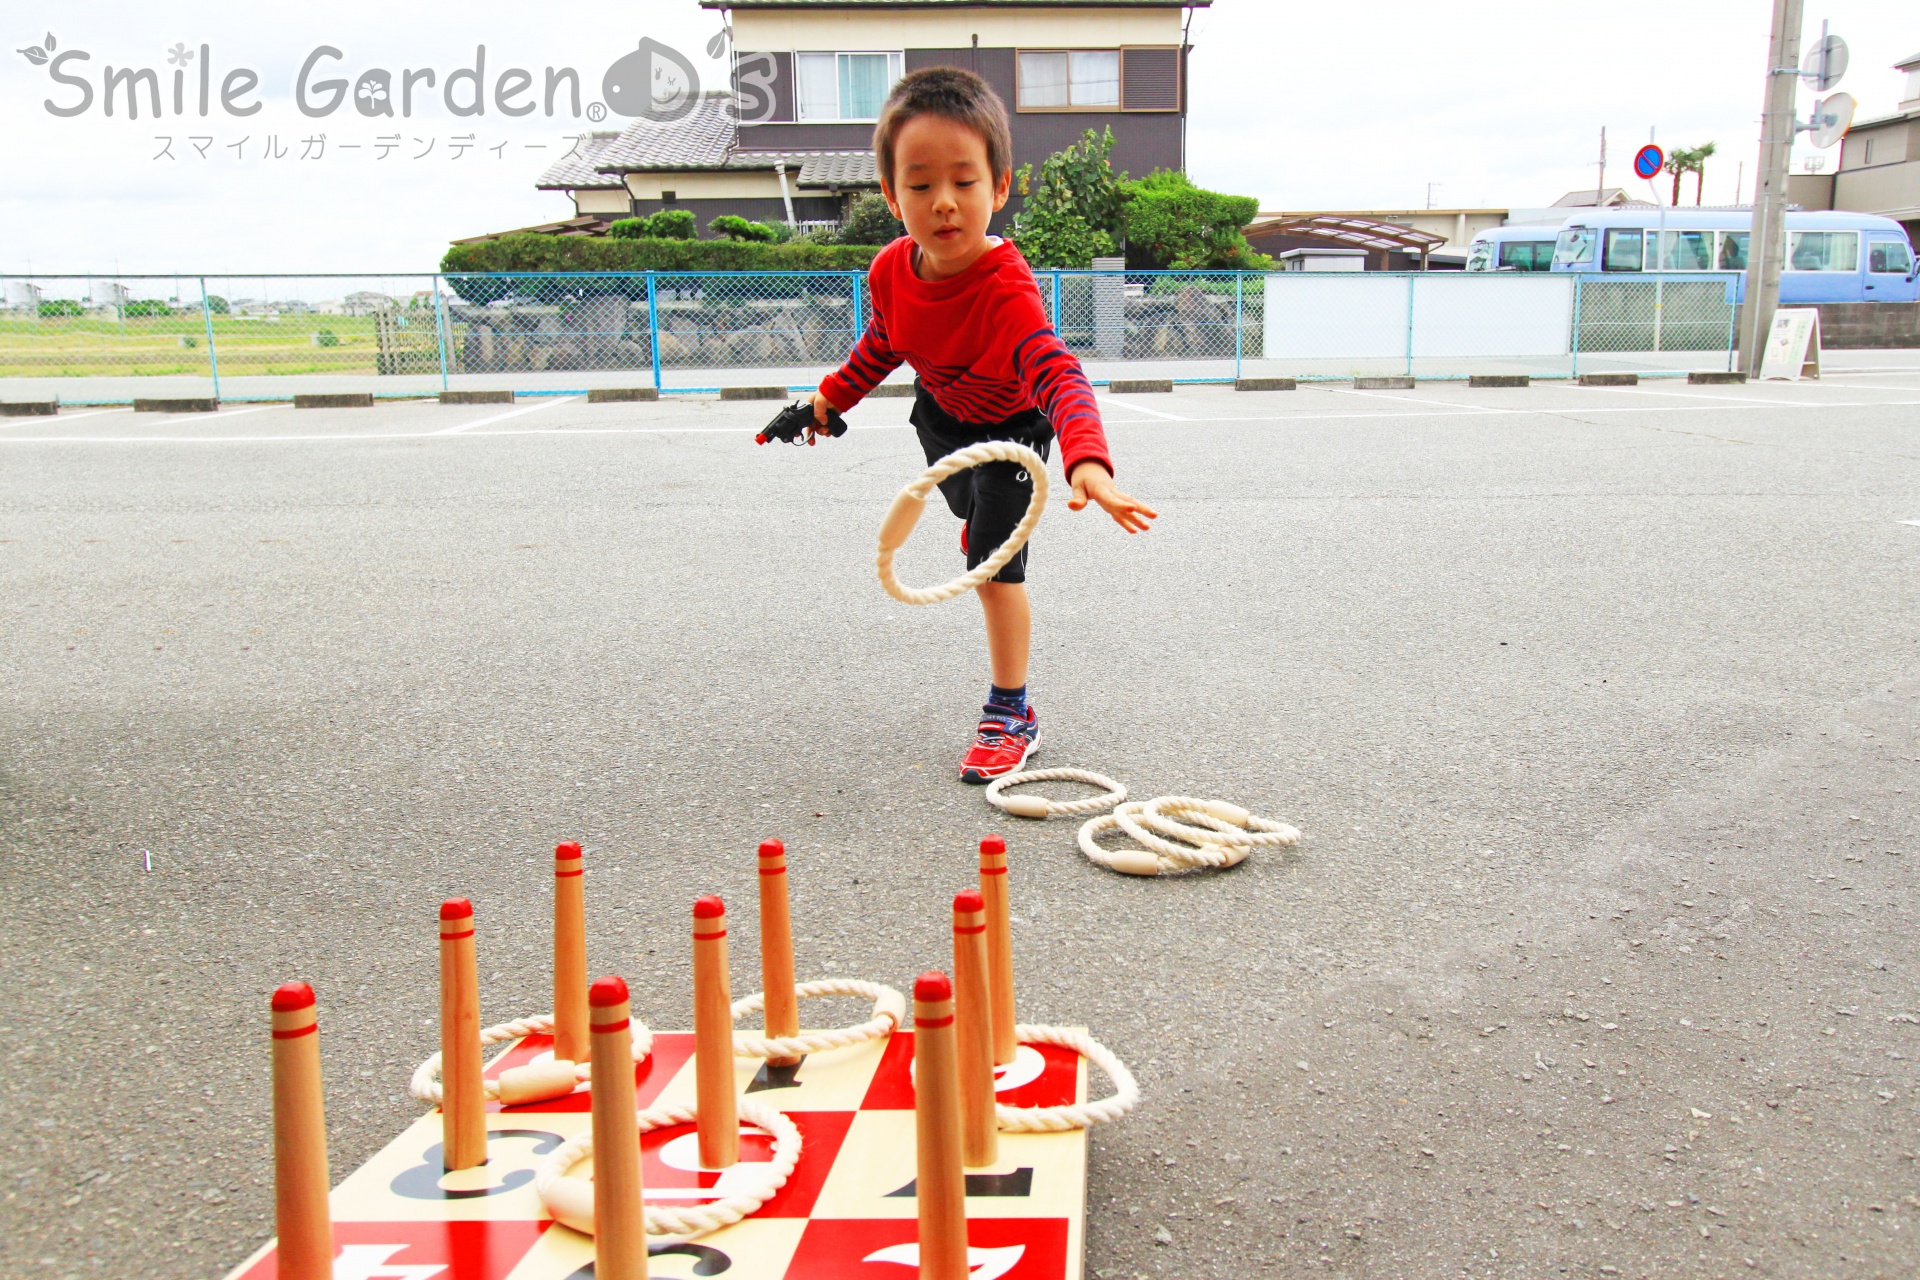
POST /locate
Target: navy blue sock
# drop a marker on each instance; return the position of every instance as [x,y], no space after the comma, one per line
[1012,699]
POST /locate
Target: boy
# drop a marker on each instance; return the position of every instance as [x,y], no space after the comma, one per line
[962,307]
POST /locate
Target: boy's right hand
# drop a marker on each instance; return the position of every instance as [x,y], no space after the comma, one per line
[821,406]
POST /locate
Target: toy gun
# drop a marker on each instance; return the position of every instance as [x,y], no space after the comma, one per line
[791,423]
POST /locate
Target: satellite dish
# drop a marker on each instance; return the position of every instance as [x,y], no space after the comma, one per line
[1831,119]
[1825,65]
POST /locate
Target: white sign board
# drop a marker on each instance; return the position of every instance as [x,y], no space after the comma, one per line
[1793,345]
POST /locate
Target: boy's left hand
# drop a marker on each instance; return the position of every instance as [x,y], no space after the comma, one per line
[1091,482]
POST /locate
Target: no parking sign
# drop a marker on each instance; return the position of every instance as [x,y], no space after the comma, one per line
[1648,161]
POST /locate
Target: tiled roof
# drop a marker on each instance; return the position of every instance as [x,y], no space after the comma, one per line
[700,140]
[575,171]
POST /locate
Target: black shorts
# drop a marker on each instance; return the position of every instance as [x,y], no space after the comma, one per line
[991,497]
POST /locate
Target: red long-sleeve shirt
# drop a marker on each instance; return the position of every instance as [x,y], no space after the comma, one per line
[981,343]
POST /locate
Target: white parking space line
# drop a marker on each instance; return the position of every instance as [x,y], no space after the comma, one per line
[1140,408]
[1695,395]
[502,417]
[1448,404]
[65,417]
[1910,522]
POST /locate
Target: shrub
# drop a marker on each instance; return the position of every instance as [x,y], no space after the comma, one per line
[217,305]
[527,252]
[325,338]
[143,307]
[1173,225]
[1072,212]
[869,221]
[54,308]
[735,227]
[667,224]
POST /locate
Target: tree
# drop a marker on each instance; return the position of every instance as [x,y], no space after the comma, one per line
[1172,224]
[869,221]
[735,227]
[1684,160]
[1072,210]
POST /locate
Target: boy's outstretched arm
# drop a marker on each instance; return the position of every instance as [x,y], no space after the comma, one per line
[867,366]
[1091,483]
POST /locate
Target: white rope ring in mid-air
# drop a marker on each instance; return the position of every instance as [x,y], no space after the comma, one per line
[1230,835]
[425,1084]
[1041,807]
[570,1199]
[889,1011]
[906,509]
[1079,1115]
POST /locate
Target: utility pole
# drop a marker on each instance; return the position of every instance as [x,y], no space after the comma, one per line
[1600,182]
[1767,241]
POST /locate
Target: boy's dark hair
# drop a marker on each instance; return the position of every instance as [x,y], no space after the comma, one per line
[960,96]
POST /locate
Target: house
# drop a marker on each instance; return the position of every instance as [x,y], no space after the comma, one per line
[1879,169]
[791,138]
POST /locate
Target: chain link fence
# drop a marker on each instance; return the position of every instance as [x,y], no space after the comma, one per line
[106,340]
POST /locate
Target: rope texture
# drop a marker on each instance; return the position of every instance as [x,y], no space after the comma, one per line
[666,1222]
[1079,1115]
[425,1084]
[1115,793]
[960,460]
[1223,843]
[889,1011]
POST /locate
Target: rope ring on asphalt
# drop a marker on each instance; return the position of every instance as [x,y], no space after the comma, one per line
[905,512]
[1041,807]
[425,1084]
[1079,1115]
[1225,823]
[889,1011]
[570,1199]
[1223,844]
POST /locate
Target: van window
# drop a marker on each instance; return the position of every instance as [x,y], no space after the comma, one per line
[1890,257]
[1573,247]
[1687,251]
[1623,250]
[1733,250]
[1823,251]
[1526,255]
[1479,255]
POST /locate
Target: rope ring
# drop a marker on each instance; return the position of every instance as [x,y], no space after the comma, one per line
[1216,847]
[1225,823]
[1041,807]
[1079,1115]
[905,512]
[889,1011]
[426,1086]
[570,1199]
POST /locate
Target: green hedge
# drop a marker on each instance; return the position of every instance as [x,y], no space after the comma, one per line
[525,251]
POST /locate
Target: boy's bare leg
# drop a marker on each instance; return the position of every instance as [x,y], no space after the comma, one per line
[1009,630]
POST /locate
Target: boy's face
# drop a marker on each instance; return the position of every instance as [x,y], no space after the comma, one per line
[944,190]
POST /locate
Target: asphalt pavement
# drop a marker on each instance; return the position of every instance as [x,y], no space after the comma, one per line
[1597,708]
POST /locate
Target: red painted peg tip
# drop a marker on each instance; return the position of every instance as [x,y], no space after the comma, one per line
[932,986]
[570,849]
[708,907]
[289,996]
[992,844]
[969,900]
[607,991]
[772,848]
[455,909]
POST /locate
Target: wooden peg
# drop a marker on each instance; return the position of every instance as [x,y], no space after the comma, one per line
[993,889]
[719,1123]
[973,1031]
[463,1107]
[569,954]
[300,1179]
[776,947]
[619,1214]
[941,1181]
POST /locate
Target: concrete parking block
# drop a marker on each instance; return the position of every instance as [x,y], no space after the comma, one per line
[1499,380]
[29,408]
[183,404]
[754,393]
[622,395]
[476,397]
[891,391]
[1266,384]
[1609,379]
[1383,384]
[1139,386]
[1712,378]
[334,400]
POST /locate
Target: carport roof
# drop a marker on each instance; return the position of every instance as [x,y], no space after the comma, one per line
[1359,233]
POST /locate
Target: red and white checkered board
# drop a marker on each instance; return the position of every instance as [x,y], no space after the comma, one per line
[847,1213]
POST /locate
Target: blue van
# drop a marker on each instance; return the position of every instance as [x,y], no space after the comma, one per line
[1513,249]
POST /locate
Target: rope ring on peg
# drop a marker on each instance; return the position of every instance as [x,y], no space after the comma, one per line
[1079,1115]
[425,1084]
[570,1199]
[1041,807]
[889,1011]
[904,514]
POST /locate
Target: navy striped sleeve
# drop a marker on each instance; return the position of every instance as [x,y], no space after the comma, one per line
[1053,377]
[871,360]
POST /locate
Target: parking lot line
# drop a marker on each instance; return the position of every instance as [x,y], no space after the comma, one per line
[502,417]
[1140,408]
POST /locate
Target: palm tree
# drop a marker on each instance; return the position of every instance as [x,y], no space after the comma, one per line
[1684,160]
[1699,166]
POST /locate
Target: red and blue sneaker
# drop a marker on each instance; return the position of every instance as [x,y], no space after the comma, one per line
[1004,741]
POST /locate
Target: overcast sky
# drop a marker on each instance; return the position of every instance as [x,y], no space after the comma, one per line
[1305,106]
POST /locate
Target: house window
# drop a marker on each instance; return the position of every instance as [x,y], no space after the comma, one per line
[845,86]
[1070,80]
[1823,251]
[1866,151]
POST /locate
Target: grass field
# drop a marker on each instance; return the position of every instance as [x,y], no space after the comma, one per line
[159,346]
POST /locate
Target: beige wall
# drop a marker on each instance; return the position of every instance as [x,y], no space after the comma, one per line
[1891,145]
[1890,189]
[705,186]
[600,202]
[853,29]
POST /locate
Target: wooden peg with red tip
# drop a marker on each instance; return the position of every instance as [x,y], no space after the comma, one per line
[569,954]
[940,1185]
[619,1214]
[776,948]
[993,890]
[719,1123]
[304,1250]
[973,1030]
[463,1105]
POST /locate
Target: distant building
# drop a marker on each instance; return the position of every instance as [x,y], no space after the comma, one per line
[1879,170]
[23,295]
[1395,239]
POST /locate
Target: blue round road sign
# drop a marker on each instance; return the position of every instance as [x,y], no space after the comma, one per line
[1649,160]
